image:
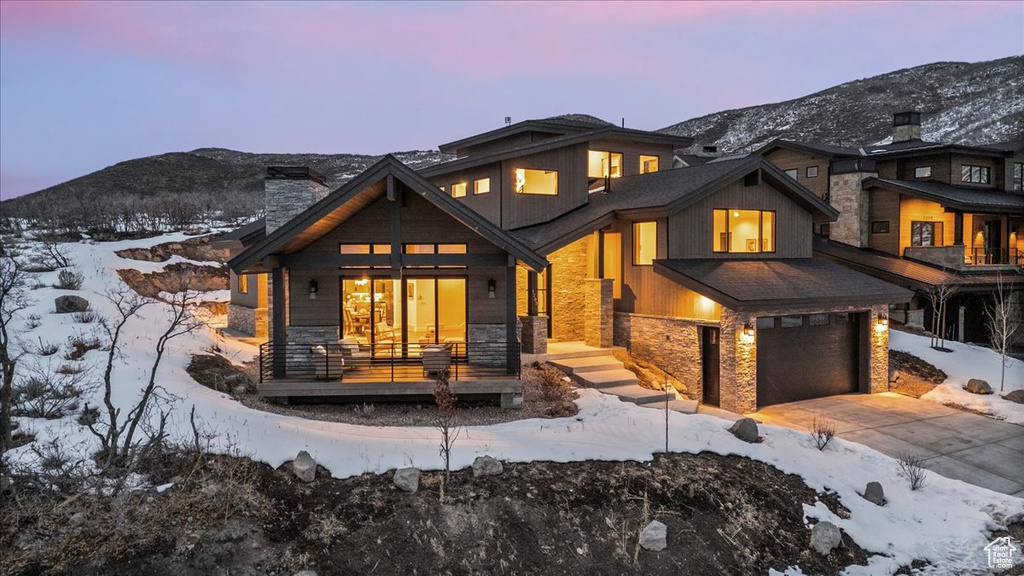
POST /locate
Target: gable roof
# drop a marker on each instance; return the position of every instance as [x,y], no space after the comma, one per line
[358,193]
[247,234]
[768,283]
[668,190]
[906,147]
[574,137]
[818,148]
[554,125]
[952,196]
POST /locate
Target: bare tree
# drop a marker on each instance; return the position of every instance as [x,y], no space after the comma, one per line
[1003,322]
[446,423]
[940,295]
[12,301]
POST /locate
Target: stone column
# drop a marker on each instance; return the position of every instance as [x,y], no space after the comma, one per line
[738,368]
[598,320]
[535,334]
[879,353]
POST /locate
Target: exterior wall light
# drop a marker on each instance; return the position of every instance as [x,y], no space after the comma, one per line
[491,288]
[313,287]
[882,323]
[747,333]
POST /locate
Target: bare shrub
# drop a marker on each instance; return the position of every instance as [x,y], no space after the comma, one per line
[33,321]
[80,344]
[822,431]
[912,469]
[1002,318]
[46,393]
[12,301]
[69,279]
[46,348]
[364,410]
[446,422]
[85,317]
[54,251]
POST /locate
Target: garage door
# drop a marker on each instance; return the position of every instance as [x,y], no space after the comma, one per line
[803,357]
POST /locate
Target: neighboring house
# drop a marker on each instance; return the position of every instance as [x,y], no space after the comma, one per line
[568,231]
[920,214]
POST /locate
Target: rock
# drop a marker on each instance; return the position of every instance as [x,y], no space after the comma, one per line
[304,467]
[5,483]
[654,536]
[487,466]
[70,304]
[873,493]
[210,490]
[78,519]
[976,386]
[305,573]
[1015,396]
[239,390]
[825,536]
[745,429]
[407,479]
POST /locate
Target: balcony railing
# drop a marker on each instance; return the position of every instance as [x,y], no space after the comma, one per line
[995,256]
[387,362]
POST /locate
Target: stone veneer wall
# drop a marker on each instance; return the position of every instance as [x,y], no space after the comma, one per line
[568,298]
[492,354]
[286,198]
[598,312]
[851,200]
[879,367]
[673,344]
[242,319]
[535,334]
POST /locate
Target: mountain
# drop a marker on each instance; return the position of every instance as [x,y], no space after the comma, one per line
[967,103]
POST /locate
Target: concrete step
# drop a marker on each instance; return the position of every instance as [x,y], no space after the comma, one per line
[639,395]
[681,405]
[579,354]
[607,378]
[575,366]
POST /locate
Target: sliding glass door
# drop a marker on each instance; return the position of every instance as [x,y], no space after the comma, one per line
[411,311]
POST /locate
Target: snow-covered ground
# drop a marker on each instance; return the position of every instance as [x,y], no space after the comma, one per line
[946,523]
[967,361]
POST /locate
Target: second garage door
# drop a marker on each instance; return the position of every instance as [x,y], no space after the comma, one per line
[809,356]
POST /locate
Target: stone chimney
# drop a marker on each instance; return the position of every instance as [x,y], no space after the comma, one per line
[906,126]
[289,191]
[851,200]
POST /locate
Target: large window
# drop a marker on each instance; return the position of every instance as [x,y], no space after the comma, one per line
[974,174]
[481,186]
[1018,176]
[645,243]
[459,190]
[540,182]
[434,249]
[601,164]
[365,249]
[926,233]
[648,164]
[744,231]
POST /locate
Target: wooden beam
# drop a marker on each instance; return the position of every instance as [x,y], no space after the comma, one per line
[531,293]
[396,236]
[279,333]
[392,193]
[958,228]
[511,318]
[301,260]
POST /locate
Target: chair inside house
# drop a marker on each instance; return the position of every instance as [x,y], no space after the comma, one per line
[436,358]
[384,333]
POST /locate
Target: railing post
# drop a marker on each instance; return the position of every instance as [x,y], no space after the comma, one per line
[262,346]
[392,361]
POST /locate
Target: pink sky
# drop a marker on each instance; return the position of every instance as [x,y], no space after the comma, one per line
[85,85]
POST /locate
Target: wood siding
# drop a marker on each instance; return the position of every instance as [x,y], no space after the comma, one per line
[520,210]
[916,209]
[939,163]
[488,205]
[787,159]
[994,165]
[690,232]
[884,205]
[511,141]
[631,152]
[256,297]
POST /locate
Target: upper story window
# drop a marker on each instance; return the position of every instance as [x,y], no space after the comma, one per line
[791,173]
[243,283]
[481,186]
[365,249]
[541,182]
[648,164]
[434,249]
[974,174]
[926,233]
[1018,176]
[811,172]
[645,243]
[744,231]
[923,172]
[459,190]
[601,164]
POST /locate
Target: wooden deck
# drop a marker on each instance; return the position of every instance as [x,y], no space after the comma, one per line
[379,390]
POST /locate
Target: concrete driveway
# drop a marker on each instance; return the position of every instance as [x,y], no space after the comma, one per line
[956,444]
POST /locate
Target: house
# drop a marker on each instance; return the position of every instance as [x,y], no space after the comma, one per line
[562,230]
[920,214]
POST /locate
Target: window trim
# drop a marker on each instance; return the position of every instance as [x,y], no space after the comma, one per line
[873,226]
[807,172]
[919,168]
[476,186]
[622,163]
[243,283]
[460,186]
[760,230]
[932,224]
[524,192]
[792,173]
[633,248]
[640,163]
[984,174]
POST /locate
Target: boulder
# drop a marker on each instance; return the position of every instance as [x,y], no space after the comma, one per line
[976,386]
[654,536]
[407,479]
[1015,396]
[745,429]
[304,467]
[70,304]
[825,537]
[5,483]
[873,493]
[487,466]
[78,519]
[305,573]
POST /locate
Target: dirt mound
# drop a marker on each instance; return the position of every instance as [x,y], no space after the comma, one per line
[914,376]
[199,249]
[176,278]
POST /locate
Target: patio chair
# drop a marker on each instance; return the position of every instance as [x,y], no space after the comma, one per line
[355,357]
[327,365]
[436,358]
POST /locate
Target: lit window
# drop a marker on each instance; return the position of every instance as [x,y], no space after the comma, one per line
[923,172]
[365,249]
[442,188]
[791,173]
[602,164]
[812,172]
[459,190]
[926,233]
[541,182]
[974,174]
[744,231]
[243,284]
[481,186]
[645,243]
[435,249]
[648,164]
